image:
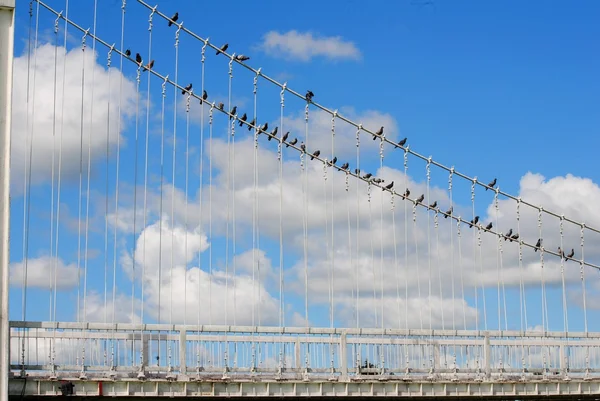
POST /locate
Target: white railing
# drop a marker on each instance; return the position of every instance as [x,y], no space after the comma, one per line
[172,351]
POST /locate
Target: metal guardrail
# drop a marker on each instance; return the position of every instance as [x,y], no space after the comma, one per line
[175,352]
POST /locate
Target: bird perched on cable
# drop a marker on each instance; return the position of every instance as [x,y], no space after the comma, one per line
[357,171]
[345,166]
[273,134]
[223,48]
[264,127]
[388,186]
[128,52]
[406,193]
[285,136]
[420,199]
[303,147]
[204,96]
[449,212]
[489,226]
[402,142]
[220,106]
[538,244]
[309,96]
[315,154]
[561,252]
[491,184]
[233,112]
[149,65]
[378,133]
[571,254]
[367,176]
[138,58]
[508,234]
[334,160]
[243,119]
[377,180]
[292,142]
[474,221]
[433,205]
[241,57]
[173,19]
[514,237]
[251,124]
[186,89]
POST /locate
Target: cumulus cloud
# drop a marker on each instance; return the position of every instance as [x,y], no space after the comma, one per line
[41,273]
[304,47]
[34,121]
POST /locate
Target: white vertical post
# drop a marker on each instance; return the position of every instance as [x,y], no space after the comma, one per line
[7,29]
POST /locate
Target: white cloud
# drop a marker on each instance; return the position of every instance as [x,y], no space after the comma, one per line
[41,271]
[39,113]
[306,46]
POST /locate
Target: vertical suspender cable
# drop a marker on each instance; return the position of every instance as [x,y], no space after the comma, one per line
[135,174]
[564,297]
[106,189]
[200,213]
[185,212]
[304,163]
[58,189]
[476,292]
[169,355]
[381,261]
[583,287]
[254,222]
[118,162]
[406,274]
[522,297]
[357,268]
[142,295]
[160,207]
[332,249]
[281,276]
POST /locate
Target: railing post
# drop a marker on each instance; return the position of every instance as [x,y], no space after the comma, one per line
[343,357]
[7,30]
[182,351]
[487,349]
[436,356]
[297,353]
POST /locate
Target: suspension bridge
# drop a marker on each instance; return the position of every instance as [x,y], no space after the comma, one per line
[224,234]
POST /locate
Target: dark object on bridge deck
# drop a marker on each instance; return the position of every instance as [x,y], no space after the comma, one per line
[66,388]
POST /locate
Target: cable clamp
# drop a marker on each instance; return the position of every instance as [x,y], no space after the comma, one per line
[150,18]
[83,38]
[58,17]
[109,56]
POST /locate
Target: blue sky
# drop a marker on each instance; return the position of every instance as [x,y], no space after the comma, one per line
[494,89]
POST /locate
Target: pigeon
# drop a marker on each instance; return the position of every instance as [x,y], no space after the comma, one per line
[334,160]
[367,176]
[149,65]
[204,95]
[241,57]
[303,147]
[309,96]
[128,52]
[571,254]
[538,244]
[251,124]
[233,112]
[491,184]
[273,133]
[407,193]
[293,142]
[420,199]
[138,58]
[243,119]
[433,205]
[489,226]
[315,154]
[508,234]
[345,166]
[378,133]
[561,253]
[174,18]
[377,180]
[402,142]
[223,48]
[514,237]
[285,136]
[388,186]
[357,171]
[265,127]
[186,89]
[448,212]
[474,221]
[220,106]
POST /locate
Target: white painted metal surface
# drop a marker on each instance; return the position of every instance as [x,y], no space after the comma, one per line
[7,20]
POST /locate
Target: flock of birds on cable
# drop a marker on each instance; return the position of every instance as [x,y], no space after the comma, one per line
[344,167]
